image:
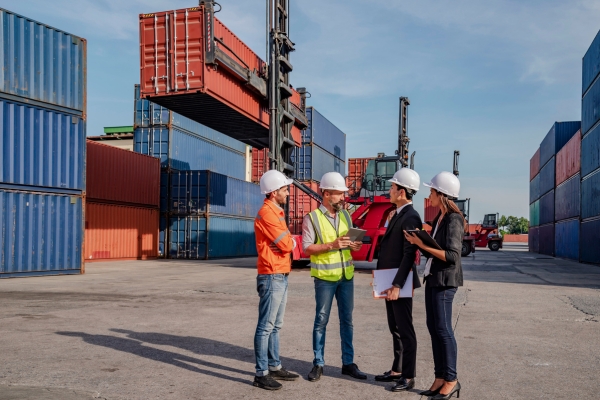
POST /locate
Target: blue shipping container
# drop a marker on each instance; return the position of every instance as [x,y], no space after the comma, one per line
[324,134]
[566,239]
[560,133]
[591,64]
[206,192]
[590,195]
[40,147]
[589,251]
[534,240]
[547,208]
[183,151]
[534,189]
[203,238]
[590,151]
[164,191]
[590,108]
[547,239]
[42,64]
[312,162]
[148,114]
[42,233]
[548,177]
[567,199]
[163,230]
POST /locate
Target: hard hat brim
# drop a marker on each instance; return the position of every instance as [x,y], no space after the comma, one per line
[398,183]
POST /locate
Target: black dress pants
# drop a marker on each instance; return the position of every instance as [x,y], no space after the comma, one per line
[400,322]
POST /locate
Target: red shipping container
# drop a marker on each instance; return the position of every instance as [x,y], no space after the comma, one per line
[568,159]
[121,176]
[114,231]
[430,211]
[356,172]
[534,165]
[260,164]
[301,203]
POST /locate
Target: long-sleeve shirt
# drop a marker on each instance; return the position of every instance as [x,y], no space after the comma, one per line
[270,229]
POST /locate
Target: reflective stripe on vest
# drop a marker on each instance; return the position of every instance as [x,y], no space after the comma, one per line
[333,264]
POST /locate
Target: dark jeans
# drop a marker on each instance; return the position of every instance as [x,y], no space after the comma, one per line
[438,306]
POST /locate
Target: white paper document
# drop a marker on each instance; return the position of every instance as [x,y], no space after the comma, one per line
[383,278]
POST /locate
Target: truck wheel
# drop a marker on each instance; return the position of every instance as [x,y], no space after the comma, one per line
[466,249]
[494,246]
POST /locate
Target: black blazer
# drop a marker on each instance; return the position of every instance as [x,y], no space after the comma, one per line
[396,251]
[449,236]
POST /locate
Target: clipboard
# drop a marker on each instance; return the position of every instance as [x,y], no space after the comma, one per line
[383,278]
[426,238]
[355,234]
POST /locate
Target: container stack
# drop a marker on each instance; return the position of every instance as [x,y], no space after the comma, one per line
[42,143]
[357,169]
[590,155]
[534,204]
[122,204]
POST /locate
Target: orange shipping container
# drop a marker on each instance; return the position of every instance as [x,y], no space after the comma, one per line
[568,159]
[356,172]
[115,231]
[430,211]
[260,164]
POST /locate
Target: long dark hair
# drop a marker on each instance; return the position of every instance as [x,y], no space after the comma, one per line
[447,206]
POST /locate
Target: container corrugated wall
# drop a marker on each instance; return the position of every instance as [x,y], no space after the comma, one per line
[590,108]
[568,159]
[114,231]
[122,176]
[546,233]
[589,250]
[534,213]
[324,134]
[311,163]
[41,147]
[534,165]
[547,208]
[568,199]
[590,195]
[260,164]
[560,133]
[590,152]
[301,204]
[566,239]
[547,177]
[534,239]
[357,168]
[42,64]
[534,189]
[42,233]
[591,64]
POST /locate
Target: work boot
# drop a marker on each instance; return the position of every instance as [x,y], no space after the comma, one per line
[266,382]
[283,375]
[353,371]
[315,373]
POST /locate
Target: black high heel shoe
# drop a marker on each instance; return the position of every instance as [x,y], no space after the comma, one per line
[430,393]
[455,389]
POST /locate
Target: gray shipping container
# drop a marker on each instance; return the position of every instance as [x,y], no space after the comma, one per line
[591,64]
[324,134]
[548,177]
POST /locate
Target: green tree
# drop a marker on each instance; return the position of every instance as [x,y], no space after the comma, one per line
[513,225]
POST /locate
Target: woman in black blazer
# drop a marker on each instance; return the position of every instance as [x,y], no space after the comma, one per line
[443,276]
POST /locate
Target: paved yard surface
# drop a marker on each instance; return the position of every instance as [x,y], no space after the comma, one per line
[527,328]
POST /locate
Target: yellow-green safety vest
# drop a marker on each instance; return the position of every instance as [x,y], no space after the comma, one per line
[334,264]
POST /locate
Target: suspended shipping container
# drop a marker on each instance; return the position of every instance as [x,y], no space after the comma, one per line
[534,189]
[590,108]
[312,162]
[206,192]
[590,195]
[115,231]
[201,238]
[534,213]
[41,147]
[547,177]
[122,176]
[534,240]
[568,199]
[590,152]
[546,233]
[589,250]
[323,133]
[42,233]
[560,133]
[591,64]
[568,159]
[566,239]
[42,65]
[547,208]
[534,165]
[357,168]
[184,151]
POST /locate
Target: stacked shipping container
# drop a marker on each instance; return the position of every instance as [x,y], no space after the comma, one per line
[42,145]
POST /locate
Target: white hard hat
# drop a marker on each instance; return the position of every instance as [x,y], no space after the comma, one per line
[445,182]
[333,181]
[407,178]
[273,180]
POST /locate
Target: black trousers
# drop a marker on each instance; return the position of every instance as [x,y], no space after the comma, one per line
[400,322]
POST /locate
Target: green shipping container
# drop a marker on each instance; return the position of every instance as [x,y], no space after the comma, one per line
[534,213]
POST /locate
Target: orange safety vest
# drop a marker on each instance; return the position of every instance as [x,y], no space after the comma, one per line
[270,227]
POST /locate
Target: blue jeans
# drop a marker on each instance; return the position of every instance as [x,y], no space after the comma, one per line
[438,307]
[272,290]
[343,290]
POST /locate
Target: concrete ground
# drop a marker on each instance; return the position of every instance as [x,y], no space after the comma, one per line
[527,327]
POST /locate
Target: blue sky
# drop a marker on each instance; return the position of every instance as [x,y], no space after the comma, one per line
[487,78]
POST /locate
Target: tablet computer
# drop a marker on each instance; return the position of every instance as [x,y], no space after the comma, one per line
[425,237]
[356,235]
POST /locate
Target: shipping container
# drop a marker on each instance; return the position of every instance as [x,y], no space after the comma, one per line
[260,163]
[534,240]
[534,189]
[547,208]
[591,64]
[163,233]
[312,162]
[560,133]
[183,151]
[201,238]
[566,239]
[430,211]
[357,167]
[590,108]
[115,231]
[590,195]
[546,233]
[548,177]
[42,233]
[40,147]
[42,65]
[589,250]
[323,133]
[568,159]
[534,164]
[300,203]
[568,199]
[534,213]
[122,176]
[590,151]
[164,190]
[206,192]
